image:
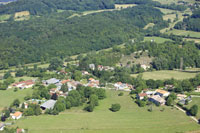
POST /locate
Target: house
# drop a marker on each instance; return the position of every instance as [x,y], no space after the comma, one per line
[183,101]
[169,87]
[16,115]
[145,67]
[197,89]
[162,93]
[122,86]
[149,93]
[181,96]
[20,130]
[85,73]
[24,84]
[92,66]
[2,126]
[100,67]
[157,100]
[51,81]
[141,96]
[48,104]
[65,81]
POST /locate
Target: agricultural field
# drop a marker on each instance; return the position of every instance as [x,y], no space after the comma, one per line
[7,96]
[149,25]
[123,6]
[185,33]
[20,16]
[130,118]
[156,39]
[5,17]
[173,1]
[166,74]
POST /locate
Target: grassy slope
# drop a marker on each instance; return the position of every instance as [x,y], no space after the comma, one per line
[195,100]
[157,39]
[130,118]
[7,97]
[167,74]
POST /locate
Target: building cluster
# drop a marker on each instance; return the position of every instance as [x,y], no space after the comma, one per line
[24,84]
[158,96]
[101,67]
[123,86]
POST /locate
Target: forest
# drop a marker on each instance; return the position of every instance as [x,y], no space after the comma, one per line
[190,23]
[55,35]
[39,7]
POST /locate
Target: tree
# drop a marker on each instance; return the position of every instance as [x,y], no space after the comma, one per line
[64,88]
[55,63]
[173,96]
[54,96]
[68,105]
[77,75]
[115,107]
[121,94]
[29,112]
[93,100]
[7,75]
[16,103]
[193,110]
[59,106]
[20,73]
[169,101]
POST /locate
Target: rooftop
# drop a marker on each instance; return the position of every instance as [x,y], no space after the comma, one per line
[48,104]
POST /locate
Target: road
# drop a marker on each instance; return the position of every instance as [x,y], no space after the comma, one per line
[192,117]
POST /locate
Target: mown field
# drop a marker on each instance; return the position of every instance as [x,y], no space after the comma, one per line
[166,74]
[156,39]
[130,118]
[185,33]
[8,96]
[195,100]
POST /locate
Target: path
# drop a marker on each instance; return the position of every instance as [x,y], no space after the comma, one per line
[192,117]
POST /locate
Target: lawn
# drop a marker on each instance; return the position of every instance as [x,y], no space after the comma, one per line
[130,118]
[156,39]
[195,100]
[7,96]
[167,74]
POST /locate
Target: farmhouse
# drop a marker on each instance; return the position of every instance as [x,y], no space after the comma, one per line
[197,89]
[162,93]
[2,126]
[145,67]
[92,66]
[141,96]
[169,87]
[122,86]
[48,104]
[20,130]
[16,115]
[157,100]
[24,84]
[181,96]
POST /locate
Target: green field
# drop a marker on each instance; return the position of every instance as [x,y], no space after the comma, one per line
[167,74]
[156,39]
[4,17]
[195,100]
[7,96]
[185,33]
[129,119]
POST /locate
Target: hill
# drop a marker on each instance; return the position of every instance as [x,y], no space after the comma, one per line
[41,38]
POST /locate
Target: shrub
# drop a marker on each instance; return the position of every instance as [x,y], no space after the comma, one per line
[115,107]
[121,94]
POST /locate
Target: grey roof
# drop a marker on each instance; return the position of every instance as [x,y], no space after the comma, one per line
[52,81]
[48,104]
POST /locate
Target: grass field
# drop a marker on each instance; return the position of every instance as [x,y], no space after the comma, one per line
[185,33]
[195,100]
[167,74]
[4,17]
[156,39]
[129,119]
[7,96]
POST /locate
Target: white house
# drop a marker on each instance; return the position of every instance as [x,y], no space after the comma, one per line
[16,115]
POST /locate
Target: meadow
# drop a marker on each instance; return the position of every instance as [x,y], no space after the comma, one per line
[166,74]
[156,39]
[195,100]
[130,118]
[8,96]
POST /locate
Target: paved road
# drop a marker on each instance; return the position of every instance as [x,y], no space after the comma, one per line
[192,117]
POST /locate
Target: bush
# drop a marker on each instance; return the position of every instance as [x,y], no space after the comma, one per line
[115,107]
[121,94]
[193,110]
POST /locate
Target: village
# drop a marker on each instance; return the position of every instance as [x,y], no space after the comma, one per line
[62,87]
